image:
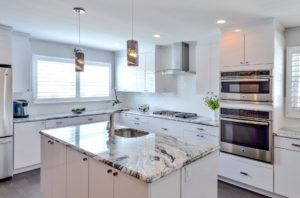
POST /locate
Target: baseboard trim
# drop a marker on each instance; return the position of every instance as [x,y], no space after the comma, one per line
[28,168]
[251,188]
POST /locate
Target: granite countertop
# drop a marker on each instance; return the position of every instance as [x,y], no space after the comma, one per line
[288,133]
[147,158]
[197,120]
[40,117]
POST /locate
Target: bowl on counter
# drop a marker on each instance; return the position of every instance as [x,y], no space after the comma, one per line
[144,108]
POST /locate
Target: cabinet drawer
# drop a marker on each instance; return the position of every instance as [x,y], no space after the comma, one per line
[55,123]
[167,127]
[246,171]
[194,137]
[88,119]
[287,143]
[209,130]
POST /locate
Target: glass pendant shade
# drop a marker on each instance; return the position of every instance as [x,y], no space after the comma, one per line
[132,53]
[79,60]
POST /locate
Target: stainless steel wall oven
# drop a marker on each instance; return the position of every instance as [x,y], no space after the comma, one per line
[253,86]
[247,133]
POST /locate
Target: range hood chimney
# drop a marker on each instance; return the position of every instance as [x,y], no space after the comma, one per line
[180,60]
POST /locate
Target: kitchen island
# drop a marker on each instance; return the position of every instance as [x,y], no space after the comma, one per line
[83,161]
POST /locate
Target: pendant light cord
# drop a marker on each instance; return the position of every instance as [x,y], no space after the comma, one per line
[132,12]
[79,28]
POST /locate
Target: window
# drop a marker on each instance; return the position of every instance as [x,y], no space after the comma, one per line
[293,82]
[55,80]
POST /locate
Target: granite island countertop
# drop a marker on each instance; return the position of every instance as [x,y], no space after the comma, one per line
[147,158]
[288,133]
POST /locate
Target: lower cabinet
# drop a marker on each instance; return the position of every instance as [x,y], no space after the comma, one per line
[53,169]
[77,174]
[27,145]
[287,167]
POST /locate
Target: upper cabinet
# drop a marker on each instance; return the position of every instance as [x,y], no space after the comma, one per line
[251,44]
[5,45]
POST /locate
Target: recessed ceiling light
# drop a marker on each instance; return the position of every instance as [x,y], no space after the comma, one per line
[237,30]
[221,21]
[156,35]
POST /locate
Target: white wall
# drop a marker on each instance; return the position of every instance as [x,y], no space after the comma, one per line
[185,99]
[23,71]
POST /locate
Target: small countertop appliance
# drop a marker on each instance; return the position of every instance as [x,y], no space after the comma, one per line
[20,109]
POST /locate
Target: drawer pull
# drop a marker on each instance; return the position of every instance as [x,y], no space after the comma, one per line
[201,136]
[136,123]
[296,145]
[137,118]
[50,142]
[85,159]
[244,173]
[90,119]
[109,171]
[115,174]
[165,129]
[58,122]
[200,129]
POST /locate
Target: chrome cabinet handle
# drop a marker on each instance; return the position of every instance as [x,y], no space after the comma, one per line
[137,118]
[58,122]
[50,142]
[165,129]
[201,136]
[296,145]
[109,171]
[244,173]
[200,129]
[136,123]
[115,174]
[90,119]
[85,159]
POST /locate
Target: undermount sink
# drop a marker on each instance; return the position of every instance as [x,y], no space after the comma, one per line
[130,133]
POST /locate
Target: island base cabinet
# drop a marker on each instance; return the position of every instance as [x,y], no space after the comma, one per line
[77,174]
[201,182]
[53,169]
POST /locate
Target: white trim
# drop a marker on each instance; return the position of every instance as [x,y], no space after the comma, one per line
[290,112]
[36,57]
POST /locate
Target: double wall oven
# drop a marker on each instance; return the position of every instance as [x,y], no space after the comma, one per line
[254,86]
[247,133]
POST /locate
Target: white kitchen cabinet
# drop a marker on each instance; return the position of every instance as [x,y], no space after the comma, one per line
[196,132]
[56,123]
[168,127]
[5,45]
[132,121]
[77,174]
[21,61]
[232,48]
[239,45]
[53,169]
[207,68]
[246,171]
[287,167]
[150,73]
[27,145]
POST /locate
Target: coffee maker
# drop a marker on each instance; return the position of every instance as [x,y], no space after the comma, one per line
[20,109]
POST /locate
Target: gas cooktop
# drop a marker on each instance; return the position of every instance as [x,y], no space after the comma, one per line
[175,114]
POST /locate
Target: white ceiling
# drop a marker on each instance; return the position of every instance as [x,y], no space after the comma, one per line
[107,22]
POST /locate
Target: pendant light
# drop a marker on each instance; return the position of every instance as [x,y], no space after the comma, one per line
[79,55]
[132,45]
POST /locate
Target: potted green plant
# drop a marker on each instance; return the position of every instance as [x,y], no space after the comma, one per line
[213,103]
[116,102]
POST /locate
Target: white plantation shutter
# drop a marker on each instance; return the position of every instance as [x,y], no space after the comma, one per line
[293,82]
[95,81]
[55,80]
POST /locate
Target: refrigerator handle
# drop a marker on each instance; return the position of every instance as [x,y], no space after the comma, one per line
[5,141]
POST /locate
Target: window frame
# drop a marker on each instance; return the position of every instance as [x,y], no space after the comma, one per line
[290,112]
[77,98]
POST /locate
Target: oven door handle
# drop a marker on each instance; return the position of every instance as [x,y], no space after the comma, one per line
[247,122]
[246,80]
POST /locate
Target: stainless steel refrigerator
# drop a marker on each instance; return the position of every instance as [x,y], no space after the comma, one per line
[6,122]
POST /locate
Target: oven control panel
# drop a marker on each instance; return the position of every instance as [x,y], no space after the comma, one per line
[249,114]
[246,73]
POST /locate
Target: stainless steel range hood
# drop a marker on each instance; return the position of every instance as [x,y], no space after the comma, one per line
[180,60]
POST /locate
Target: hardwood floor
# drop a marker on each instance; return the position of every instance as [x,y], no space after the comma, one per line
[27,185]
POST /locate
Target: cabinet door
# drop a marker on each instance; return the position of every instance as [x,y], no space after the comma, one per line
[287,171]
[100,180]
[77,174]
[259,44]
[5,46]
[27,144]
[150,73]
[128,187]
[196,137]
[140,74]
[232,48]
[167,127]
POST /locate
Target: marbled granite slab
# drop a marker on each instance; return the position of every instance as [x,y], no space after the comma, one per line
[41,117]
[197,120]
[147,158]
[288,133]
